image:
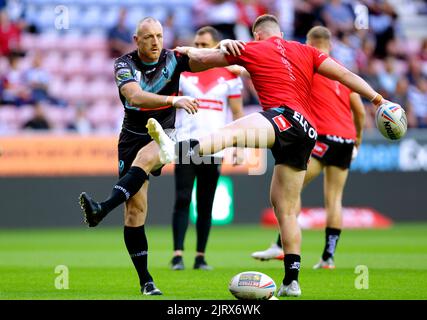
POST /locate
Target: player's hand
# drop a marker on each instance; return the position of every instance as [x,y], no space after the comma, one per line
[189,104]
[354,153]
[233,47]
[182,50]
[358,141]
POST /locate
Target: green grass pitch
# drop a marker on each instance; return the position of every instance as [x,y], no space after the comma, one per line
[99,267]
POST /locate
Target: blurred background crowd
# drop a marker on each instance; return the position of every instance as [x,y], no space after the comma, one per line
[56,59]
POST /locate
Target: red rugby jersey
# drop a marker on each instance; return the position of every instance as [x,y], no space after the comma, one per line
[282,72]
[331,108]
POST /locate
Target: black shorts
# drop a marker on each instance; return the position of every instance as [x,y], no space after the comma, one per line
[295,137]
[333,151]
[129,145]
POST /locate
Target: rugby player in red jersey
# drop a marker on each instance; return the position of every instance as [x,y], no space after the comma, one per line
[339,115]
[282,73]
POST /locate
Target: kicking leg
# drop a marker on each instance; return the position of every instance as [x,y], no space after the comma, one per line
[146,160]
[253,131]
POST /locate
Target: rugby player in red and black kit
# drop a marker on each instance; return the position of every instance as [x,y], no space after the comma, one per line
[339,116]
[282,73]
[148,82]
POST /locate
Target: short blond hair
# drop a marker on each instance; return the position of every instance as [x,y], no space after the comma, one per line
[319,33]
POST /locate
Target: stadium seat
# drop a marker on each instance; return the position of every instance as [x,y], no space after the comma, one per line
[91,17]
[99,114]
[23,114]
[53,62]
[8,118]
[73,64]
[75,90]
[57,87]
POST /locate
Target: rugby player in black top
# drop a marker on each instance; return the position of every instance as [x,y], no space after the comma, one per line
[148,82]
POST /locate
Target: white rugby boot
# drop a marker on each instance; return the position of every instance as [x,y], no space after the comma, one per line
[322,264]
[291,290]
[166,144]
[274,252]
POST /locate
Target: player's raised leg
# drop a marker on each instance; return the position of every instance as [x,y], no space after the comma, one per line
[146,160]
[286,186]
[253,131]
[334,182]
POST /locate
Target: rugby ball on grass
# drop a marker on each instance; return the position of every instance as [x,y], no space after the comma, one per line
[252,285]
[391,121]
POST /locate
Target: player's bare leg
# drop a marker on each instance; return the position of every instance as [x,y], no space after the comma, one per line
[286,186]
[335,179]
[253,131]
[334,182]
[275,251]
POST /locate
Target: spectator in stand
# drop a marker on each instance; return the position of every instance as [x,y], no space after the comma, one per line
[388,77]
[248,11]
[81,124]
[120,36]
[307,15]
[39,121]
[418,99]
[169,31]
[415,70]
[15,91]
[37,79]
[400,96]
[371,76]
[10,35]
[220,14]
[343,51]
[365,54]
[423,51]
[382,21]
[338,16]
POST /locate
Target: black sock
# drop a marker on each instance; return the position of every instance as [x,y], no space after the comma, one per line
[137,245]
[179,225]
[188,151]
[279,241]
[292,266]
[125,188]
[331,239]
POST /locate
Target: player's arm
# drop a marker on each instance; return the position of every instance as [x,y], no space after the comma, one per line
[203,59]
[332,70]
[359,114]
[236,107]
[139,98]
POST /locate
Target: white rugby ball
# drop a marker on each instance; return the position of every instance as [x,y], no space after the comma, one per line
[252,285]
[391,121]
